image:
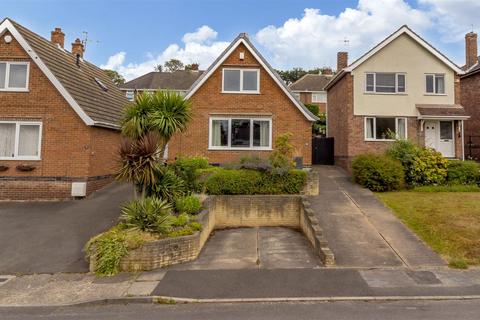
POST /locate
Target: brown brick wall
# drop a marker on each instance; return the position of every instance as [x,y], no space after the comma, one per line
[470,99]
[306,98]
[271,101]
[69,148]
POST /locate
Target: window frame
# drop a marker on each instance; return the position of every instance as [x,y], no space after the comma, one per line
[435,75]
[375,83]
[7,76]
[375,128]
[17,140]
[315,93]
[229,133]
[241,91]
[133,95]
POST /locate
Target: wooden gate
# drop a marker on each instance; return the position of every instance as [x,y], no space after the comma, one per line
[322,151]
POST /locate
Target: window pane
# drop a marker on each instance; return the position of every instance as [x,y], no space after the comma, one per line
[219,133]
[3,70]
[261,133]
[385,128]
[130,95]
[240,133]
[401,128]
[18,76]
[370,81]
[250,80]
[369,129]
[7,139]
[231,80]
[385,82]
[429,85]
[440,84]
[28,140]
[401,83]
[319,97]
[446,130]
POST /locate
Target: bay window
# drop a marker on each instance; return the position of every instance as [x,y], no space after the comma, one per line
[20,140]
[383,128]
[239,133]
[435,83]
[385,82]
[13,76]
[240,80]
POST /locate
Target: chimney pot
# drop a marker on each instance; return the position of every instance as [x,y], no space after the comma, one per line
[194,67]
[77,48]
[342,60]
[327,71]
[471,49]
[58,37]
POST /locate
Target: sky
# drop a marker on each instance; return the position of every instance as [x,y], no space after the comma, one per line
[132,37]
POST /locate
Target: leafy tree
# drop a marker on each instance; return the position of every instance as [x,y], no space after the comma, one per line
[116,77]
[320,126]
[191,66]
[173,65]
[158,68]
[290,76]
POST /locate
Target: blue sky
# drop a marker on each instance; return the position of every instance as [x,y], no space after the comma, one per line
[132,36]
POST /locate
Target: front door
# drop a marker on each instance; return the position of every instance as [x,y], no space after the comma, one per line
[439,135]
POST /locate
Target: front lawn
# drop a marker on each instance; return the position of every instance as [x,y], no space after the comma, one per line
[448,221]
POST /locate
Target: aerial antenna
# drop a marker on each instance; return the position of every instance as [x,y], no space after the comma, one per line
[346,42]
[87,40]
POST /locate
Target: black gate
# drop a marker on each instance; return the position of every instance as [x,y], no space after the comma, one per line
[322,151]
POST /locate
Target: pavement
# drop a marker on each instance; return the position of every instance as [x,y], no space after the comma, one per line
[48,237]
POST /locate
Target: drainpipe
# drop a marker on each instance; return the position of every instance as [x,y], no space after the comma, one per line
[463,144]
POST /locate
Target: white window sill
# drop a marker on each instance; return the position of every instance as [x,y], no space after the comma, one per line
[238,149]
[241,92]
[435,94]
[20,159]
[387,93]
[14,90]
[379,140]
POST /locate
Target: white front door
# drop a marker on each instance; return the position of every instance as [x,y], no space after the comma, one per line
[439,135]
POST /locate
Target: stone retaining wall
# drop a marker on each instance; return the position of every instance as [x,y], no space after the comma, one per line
[227,212]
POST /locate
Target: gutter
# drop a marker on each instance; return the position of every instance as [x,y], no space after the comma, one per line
[106,125]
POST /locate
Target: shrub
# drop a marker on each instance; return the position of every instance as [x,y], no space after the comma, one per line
[281,157]
[181,220]
[188,205]
[169,186]
[429,167]
[187,169]
[463,172]
[378,172]
[289,183]
[255,163]
[150,214]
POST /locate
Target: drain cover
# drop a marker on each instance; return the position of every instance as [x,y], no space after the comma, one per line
[5,279]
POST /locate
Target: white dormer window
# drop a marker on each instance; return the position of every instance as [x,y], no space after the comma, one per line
[381,82]
[13,76]
[241,80]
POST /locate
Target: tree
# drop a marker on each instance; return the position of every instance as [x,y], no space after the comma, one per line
[290,76]
[116,77]
[192,66]
[320,126]
[158,68]
[173,65]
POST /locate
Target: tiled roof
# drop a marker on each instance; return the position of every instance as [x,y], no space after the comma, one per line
[104,107]
[441,110]
[178,80]
[311,82]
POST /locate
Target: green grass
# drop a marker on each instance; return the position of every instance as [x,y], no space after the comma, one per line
[446,188]
[448,221]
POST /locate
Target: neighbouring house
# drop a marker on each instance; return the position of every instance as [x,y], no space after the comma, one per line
[310,89]
[240,105]
[59,118]
[470,96]
[402,88]
[179,81]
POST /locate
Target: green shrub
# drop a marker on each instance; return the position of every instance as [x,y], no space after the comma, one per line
[181,220]
[429,167]
[187,169]
[289,183]
[150,214]
[282,155]
[188,204]
[313,108]
[378,172]
[463,172]
[169,186]
[255,163]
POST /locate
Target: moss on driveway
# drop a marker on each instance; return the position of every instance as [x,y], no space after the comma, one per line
[448,221]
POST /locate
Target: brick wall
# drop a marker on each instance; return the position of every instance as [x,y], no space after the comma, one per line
[271,102]
[70,150]
[306,98]
[470,100]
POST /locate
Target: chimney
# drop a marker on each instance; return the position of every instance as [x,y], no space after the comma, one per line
[327,71]
[342,60]
[194,67]
[471,50]
[77,48]
[58,37]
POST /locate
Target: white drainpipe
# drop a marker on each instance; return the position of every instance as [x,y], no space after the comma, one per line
[463,144]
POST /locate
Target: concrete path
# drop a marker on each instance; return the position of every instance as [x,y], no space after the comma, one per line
[253,248]
[361,231]
[48,237]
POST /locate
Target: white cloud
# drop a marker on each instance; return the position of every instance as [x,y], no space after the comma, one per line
[199,47]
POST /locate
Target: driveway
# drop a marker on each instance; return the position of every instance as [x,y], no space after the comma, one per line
[48,237]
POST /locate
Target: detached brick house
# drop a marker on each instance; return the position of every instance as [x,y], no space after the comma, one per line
[310,89]
[59,118]
[470,97]
[179,81]
[240,105]
[402,88]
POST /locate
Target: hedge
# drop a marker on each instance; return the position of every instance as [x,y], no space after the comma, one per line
[378,172]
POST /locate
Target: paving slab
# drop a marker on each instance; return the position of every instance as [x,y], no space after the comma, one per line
[142,288]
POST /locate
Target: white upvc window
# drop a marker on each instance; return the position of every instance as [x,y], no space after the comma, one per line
[385,128]
[14,75]
[435,83]
[240,133]
[243,80]
[20,140]
[130,94]
[385,83]
[319,97]
[296,95]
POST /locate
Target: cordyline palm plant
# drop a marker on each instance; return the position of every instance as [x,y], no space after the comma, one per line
[148,125]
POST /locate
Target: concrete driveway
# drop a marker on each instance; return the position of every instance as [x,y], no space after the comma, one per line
[48,237]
